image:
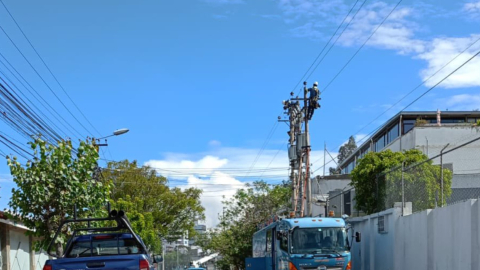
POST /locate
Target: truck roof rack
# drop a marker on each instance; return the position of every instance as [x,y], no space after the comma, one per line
[119,216]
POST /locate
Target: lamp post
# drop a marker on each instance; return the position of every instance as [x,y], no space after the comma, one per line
[176,247]
[115,133]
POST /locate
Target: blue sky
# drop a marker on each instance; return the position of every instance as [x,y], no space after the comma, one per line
[199,83]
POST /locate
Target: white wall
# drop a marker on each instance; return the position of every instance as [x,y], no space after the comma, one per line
[19,251]
[437,239]
[40,258]
[465,160]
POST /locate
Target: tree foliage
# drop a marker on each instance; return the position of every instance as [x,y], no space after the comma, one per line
[248,208]
[154,209]
[377,180]
[346,150]
[343,153]
[48,187]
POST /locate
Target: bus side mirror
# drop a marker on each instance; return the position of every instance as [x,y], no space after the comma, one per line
[358,237]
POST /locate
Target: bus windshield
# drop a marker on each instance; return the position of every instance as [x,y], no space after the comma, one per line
[318,240]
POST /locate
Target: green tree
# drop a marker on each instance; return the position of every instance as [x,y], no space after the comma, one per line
[48,187]
[153,208]
[343,153]
[248,208]
[347,149]
[377,180]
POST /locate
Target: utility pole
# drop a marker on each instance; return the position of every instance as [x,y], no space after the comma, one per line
[308,182]
[299,150]
[441,170]
[324,156]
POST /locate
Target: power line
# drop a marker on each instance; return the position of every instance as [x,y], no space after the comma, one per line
[338,37]
[324,47]
[48,68]
[23,106]
[355,54]
[41,97]
[419,85]
[269,136]
[43,80]
[423,82]
[431,88]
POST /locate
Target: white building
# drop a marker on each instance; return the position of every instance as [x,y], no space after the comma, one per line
[404,131]
[17,248]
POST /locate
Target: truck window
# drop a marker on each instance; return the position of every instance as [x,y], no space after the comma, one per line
[103,246]
[318,240]
[269,241]
[284,242]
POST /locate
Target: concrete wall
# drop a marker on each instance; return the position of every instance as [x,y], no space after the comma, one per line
[439,239]
[16,248]
[466,160]
[19,250]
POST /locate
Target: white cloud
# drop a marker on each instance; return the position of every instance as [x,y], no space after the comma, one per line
[317,9]
[473,7]
[462,102]
[397,33]
[184,168]
[218,188]
[441,51]
[214,143]
[223,170]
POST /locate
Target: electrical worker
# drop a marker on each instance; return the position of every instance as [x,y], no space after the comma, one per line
[313,100]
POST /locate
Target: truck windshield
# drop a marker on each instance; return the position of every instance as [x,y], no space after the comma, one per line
[318,240]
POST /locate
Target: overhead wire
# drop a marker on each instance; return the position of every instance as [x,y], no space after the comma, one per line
[323,49]
[338,37]
[46,84]
[438,83]
[48,68]
[48,107]
[27,111]
[419,85]
[325,46]
[355,54]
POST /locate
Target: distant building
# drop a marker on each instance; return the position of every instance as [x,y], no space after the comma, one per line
[402,132]
[413,130]
[199,229]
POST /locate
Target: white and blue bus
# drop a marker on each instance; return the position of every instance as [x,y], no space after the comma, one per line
[300,244]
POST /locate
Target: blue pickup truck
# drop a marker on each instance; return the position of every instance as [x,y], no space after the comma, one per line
[112,248]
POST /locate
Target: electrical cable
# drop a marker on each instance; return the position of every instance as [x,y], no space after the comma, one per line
[48,68]
[355,54]
[43,80]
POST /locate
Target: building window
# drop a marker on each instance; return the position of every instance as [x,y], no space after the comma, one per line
[380,143]
[382,224]
[472,120]
[408,125]
[393,133]
[453,120]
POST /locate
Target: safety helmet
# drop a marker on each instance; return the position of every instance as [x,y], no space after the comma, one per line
[315,84]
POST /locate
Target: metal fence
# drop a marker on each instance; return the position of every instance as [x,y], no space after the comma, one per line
[425,186]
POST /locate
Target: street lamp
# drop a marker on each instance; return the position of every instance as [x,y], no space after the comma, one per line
[115,133]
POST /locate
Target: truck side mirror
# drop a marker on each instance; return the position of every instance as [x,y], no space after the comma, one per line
[358,237]
[157,258]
